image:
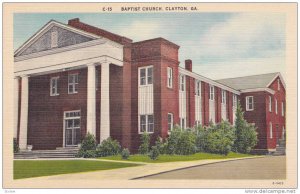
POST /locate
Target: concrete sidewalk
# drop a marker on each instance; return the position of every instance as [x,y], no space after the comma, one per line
[131,172]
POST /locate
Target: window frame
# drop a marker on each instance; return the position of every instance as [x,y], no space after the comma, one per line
[282,109]
[169,77]
[146,124]
[183,123]
[170,123]
[270,103]
[197,87]
[211,92]
[247,103]
[182,82]
[73,84]
[55,87]
[271,130]
[276,106]
[146,77]
[234,100]
[278,84]
[223,98]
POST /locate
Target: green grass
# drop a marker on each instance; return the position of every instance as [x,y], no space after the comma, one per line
[37,168]
[176,158]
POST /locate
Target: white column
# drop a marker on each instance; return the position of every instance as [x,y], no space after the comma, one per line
[24,113]
[91,100]
[104,112]
[16,106]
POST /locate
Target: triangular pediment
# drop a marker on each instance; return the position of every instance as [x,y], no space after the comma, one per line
[52,36]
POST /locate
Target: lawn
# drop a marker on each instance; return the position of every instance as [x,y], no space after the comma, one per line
[176,158]
[36,168]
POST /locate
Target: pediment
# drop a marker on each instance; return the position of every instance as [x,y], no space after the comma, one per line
[52,36]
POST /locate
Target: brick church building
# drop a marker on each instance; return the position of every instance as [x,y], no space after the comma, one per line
[74,78]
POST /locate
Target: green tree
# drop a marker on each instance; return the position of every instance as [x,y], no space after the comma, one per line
[246,135]
[145,143]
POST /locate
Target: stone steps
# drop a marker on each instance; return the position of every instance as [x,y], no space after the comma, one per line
[280,149]
[57,153]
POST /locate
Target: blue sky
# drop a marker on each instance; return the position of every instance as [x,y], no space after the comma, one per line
[221,45]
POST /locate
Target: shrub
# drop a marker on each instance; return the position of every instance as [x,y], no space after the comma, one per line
[125,153]
[181,142]
[16,146]
[201,138]
[159,143]
[145,143]
[86,154]
[88,143]
[154,153]
[108,147]
[220,138]
[246,135]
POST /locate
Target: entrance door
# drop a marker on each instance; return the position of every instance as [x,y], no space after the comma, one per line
[72,128]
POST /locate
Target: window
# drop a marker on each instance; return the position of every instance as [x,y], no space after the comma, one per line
[276,109]
[197,123]
[234,100]
[146,123]
[249,103]
[182,83]
[170,121]
[282,109]
[271,131]
[54,39]
[73,83]
[170,77]
[211,92]
[182,123]
[223,97]
[146,75]
[270,103]
[278,84]
[198,88]
[53,86]
[72,128]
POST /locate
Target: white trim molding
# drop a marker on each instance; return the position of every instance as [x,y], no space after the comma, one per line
[275,77]
[24,113]
[258,90]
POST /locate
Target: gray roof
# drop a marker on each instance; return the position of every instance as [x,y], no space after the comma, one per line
[249,82]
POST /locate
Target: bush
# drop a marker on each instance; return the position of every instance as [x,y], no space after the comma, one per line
[86,154]
[201,138]
[154,153]
[220,138]
[246,135]
[181,142]
[108,147]
[161,145]
[145,143]
[88,143]
[125,153]
[16,146]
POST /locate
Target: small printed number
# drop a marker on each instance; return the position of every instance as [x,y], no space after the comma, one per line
[278,183]
[10,191]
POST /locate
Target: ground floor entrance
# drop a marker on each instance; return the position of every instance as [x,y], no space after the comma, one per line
[72,128]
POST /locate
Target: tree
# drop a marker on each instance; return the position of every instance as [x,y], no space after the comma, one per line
[246,135]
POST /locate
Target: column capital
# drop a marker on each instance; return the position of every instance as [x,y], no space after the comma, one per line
[91,65]
[24,76]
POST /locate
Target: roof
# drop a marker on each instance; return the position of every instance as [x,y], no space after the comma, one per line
[251,82]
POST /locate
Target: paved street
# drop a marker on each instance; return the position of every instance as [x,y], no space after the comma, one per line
[271,167]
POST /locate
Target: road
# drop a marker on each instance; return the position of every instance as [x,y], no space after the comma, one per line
[270,167]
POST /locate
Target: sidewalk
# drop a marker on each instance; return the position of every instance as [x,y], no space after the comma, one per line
[131,172]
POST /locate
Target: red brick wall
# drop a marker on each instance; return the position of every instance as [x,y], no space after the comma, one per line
[190,100]
[45,116]
[229,107]
[218,104]
[205,102]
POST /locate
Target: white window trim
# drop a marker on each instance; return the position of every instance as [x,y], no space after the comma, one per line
[282,109]
[211,92]
[276,106]
[147,130]
[223,100]
[64,123]
[197,89]
[270,103]
[146,75]
[278,84]
[181,126]
[56,86]
[172,121]
[182,78]
[73,84]
[247,103]
[170,77]
[271,130]
[234,100]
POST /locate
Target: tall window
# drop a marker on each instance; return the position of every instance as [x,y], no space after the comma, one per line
[211,92]
[270,103]
[249,103]
[182,123]
[282,109]
[54,39]
[170,77]
[146,123]
[72,128]
[276,108]
[170,121]
[198,88]
[223,97]
[271,131]
[182,83]
[278,84]
[146,75]
[234,96]
[53,86]
[72,83]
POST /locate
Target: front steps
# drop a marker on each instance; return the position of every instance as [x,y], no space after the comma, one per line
[280,148]
[57,153]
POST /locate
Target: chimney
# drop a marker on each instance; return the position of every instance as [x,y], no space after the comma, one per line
[189,65]
[73,21]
